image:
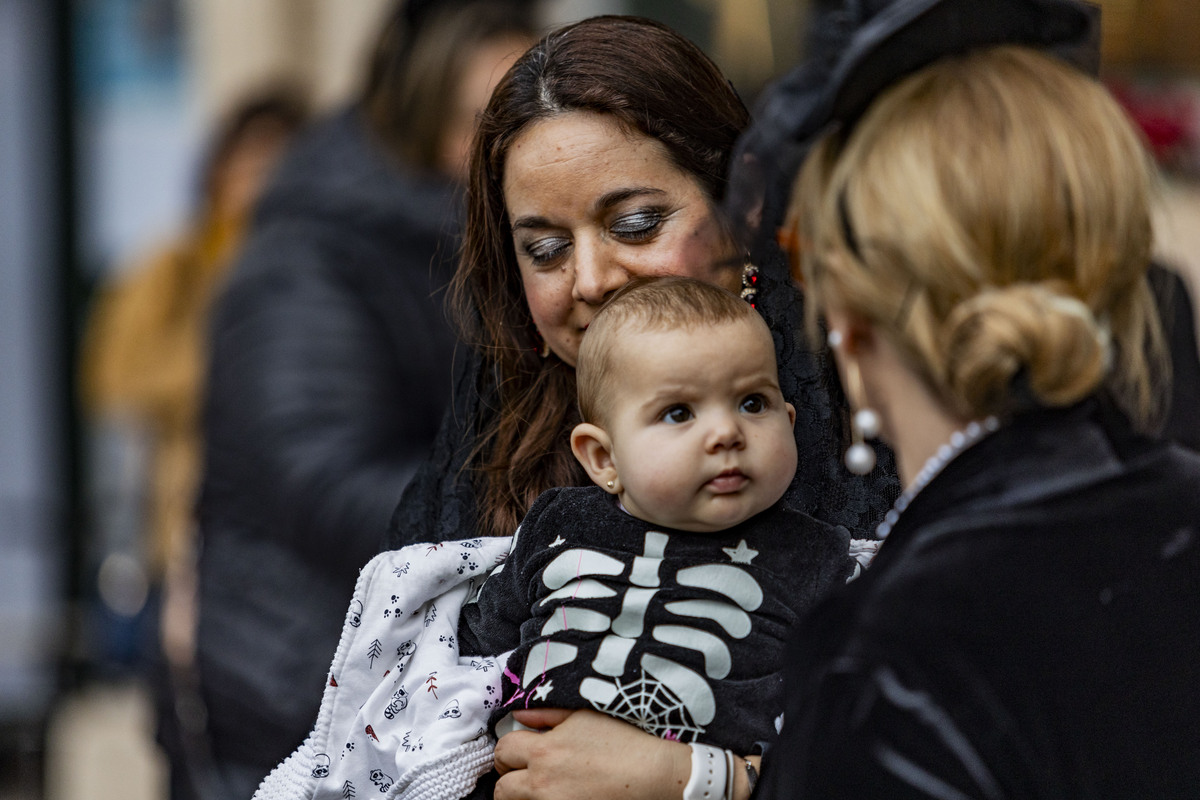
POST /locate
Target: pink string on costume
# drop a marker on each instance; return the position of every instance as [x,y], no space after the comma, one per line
[528,694]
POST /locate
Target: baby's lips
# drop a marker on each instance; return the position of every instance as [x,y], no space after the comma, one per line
[731,480]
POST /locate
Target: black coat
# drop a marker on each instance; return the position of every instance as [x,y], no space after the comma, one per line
[1029,629]
[330,372]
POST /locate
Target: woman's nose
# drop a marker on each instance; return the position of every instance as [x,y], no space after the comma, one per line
[597,274]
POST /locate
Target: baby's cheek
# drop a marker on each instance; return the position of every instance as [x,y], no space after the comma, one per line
[784,468]
[667,488]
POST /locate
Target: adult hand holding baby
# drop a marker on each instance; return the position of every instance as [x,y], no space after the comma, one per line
[548,763]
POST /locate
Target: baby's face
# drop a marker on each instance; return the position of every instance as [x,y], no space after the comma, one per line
[701,435]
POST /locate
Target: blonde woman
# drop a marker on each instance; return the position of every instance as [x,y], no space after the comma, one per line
[977,242]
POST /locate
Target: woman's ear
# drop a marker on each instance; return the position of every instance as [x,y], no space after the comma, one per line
[593,447]
[850,332]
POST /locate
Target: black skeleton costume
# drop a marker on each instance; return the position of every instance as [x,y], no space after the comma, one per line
[678,632]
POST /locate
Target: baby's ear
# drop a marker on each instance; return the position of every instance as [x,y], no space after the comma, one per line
[593,447]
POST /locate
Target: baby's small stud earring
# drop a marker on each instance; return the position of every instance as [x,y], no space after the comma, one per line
[611,484]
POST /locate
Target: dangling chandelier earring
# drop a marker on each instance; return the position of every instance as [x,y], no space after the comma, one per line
[750,282]
[864,424]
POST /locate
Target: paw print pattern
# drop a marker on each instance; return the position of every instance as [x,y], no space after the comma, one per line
[447,640]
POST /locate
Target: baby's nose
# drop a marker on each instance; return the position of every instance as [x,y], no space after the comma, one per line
[725,433]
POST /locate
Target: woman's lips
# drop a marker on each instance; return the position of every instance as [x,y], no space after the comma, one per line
[731,480]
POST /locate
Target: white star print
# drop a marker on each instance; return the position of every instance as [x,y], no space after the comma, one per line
[557,541]
[543,690]
[740,554]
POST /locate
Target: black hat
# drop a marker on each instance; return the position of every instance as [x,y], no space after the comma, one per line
[861,47]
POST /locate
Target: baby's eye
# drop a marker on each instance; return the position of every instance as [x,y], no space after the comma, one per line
[638,225]
[543,252]
[754,404]
[677,414]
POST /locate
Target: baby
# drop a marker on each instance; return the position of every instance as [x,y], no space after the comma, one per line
[663,595]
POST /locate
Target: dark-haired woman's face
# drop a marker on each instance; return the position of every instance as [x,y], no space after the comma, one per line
[593,206]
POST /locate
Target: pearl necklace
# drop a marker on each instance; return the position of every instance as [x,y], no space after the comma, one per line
[959,441]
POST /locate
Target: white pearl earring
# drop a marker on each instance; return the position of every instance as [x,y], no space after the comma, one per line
[860,457]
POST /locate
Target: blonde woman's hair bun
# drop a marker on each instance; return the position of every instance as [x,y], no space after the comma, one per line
[1050,338]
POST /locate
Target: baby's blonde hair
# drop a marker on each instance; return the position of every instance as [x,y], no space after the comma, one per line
[990,215]
[648,304]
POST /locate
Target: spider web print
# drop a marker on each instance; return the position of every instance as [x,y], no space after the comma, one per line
[653,707]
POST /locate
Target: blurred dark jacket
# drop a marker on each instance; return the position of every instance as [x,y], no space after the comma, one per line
[331,359]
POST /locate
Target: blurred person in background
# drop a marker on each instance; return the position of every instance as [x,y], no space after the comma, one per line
[144,359]
[331,371]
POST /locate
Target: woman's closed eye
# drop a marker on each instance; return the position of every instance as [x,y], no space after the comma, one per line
[637,226]
[754,404]
[547,250]
[676,415]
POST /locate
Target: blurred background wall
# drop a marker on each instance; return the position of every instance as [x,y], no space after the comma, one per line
[35,413]
[104,109]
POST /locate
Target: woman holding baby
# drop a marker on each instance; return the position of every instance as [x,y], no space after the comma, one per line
[602,157]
